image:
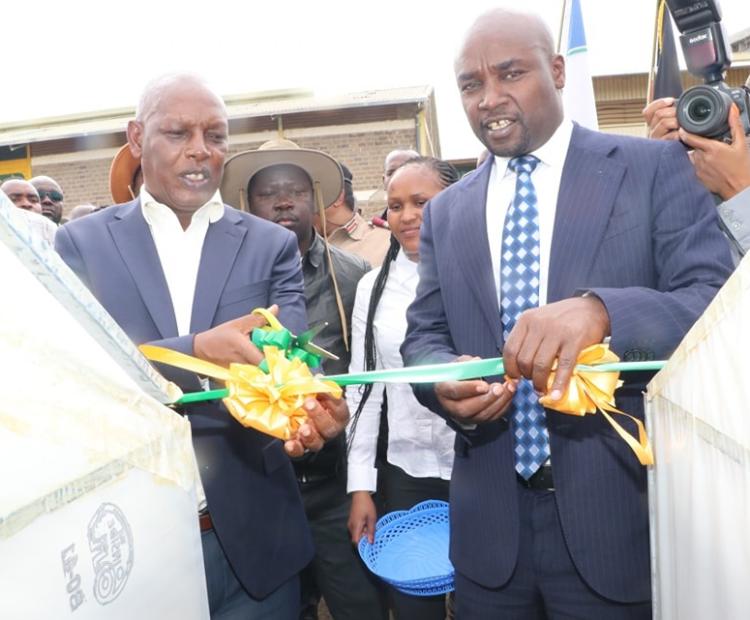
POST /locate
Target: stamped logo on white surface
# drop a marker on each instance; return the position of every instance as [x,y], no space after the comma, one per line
[111,544]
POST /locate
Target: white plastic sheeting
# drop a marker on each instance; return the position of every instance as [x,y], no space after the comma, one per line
[99,493]
[699,422]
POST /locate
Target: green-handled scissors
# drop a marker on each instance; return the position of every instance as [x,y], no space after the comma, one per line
[303,341]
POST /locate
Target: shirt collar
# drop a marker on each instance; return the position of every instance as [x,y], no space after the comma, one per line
[315,253]
[351,225]
[355,228]
[154,211]
[552,153]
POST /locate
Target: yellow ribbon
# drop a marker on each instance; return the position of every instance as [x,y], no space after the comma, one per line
[589,392]
[270,403]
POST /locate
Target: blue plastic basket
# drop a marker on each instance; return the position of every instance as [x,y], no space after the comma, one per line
[410,550]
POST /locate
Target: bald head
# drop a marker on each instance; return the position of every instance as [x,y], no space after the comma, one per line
[393,160]
[81,211]
[511,82]
[41,179]
[22,194]
[517,24]
[163,86]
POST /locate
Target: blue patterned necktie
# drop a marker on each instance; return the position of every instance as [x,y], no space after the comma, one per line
[519,277]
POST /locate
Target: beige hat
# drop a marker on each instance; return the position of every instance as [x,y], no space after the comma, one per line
[122,176]
[240,168]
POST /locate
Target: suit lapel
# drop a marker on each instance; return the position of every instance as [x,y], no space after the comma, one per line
[588,187]
[476,262]
[223,241]
[133,239]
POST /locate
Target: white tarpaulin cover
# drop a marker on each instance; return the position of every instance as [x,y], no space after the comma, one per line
[99,492]
[699,491]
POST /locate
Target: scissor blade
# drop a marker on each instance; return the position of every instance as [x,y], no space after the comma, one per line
[315,349]
[306,336]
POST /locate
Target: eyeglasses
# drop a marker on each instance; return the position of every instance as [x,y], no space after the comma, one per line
[53,194]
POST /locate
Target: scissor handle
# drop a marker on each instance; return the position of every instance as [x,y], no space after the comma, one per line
[273,322]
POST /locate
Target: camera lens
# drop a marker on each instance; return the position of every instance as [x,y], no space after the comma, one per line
[699,110]
[704,110]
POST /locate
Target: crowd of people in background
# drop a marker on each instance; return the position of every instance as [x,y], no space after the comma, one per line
[419,285]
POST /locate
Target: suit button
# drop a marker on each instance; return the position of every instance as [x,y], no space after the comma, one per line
[633,355]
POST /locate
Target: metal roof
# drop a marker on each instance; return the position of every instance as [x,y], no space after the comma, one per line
[739,36]
[252,105]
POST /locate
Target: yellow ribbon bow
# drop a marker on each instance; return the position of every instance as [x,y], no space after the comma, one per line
[270,403]
[589,392]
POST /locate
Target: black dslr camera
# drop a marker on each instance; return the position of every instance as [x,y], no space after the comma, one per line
[704,109]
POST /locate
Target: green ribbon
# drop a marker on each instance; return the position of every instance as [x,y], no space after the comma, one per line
[433,373]
[283,340]
[430,373]
[475,369]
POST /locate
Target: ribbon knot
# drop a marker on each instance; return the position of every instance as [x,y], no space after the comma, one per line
[270,402]
[591,391]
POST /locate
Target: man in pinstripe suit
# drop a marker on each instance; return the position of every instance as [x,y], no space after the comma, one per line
[626,246]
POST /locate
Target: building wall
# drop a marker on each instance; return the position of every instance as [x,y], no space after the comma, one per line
[362,152]
[84,176]
[82,182]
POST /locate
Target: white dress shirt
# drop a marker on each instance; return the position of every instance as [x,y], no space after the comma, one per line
[180,256]
[180,250]
[546,179]
[419,441]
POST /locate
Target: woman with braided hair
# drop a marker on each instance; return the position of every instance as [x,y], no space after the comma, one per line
[420,445]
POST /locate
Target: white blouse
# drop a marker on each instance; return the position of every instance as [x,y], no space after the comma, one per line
[419,441]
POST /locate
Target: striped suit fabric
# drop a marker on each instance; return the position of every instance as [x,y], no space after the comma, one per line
[634,226]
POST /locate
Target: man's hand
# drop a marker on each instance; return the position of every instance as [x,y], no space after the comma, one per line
[326,418]
[661,117]
[474,402]
[723,168]
[230,342]
[555,332]
[362,517]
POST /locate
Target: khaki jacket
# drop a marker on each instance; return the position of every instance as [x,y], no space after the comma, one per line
[363,239]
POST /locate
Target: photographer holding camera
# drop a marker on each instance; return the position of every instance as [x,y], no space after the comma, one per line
[724,168]
[711,119]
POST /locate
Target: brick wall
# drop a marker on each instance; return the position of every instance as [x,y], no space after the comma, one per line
[82,182]
[363,152]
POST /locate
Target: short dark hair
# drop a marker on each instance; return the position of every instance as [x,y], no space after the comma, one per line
[349,198]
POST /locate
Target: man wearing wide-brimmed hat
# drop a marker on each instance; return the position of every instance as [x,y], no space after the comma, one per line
[288,185]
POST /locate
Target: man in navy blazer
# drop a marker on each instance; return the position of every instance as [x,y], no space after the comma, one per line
[629,249]
[178,268]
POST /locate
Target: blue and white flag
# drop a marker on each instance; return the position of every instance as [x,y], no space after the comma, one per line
[578,94]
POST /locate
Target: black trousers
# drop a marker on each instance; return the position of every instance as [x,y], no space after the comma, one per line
[545,584]
[349,590]
[403,491]
[228,600]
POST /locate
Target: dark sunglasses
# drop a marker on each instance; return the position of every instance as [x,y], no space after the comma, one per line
[54,195]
